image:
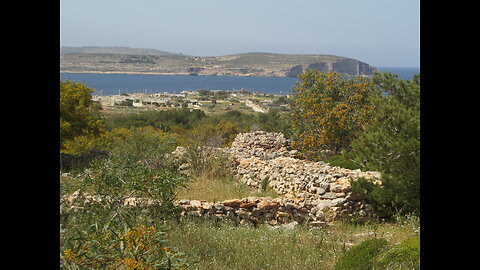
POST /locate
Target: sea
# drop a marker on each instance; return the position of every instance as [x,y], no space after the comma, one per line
[114,84]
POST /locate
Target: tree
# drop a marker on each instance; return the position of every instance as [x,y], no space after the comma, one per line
[328,111]
[391,144]
[79,116]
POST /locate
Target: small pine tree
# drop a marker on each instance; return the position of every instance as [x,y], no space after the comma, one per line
[391,144]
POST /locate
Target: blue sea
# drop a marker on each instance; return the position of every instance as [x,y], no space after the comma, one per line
[113,84]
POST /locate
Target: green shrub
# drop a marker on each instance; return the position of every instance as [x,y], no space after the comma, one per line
[264,183]
[405,255]
[343,162]
[362,256]
[137,166]
[164,120]
[140,247]
[96,235]
[274,121]
[391,144]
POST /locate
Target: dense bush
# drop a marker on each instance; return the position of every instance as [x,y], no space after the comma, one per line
[362,256]
[342,161]
[371,124]
[140,247]
[379,254]
[163,120]
[137,164]
[405,255]
[391,145]
[96,235]
[274,121]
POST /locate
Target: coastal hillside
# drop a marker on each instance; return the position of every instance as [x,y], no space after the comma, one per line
[111,50]
[150,61]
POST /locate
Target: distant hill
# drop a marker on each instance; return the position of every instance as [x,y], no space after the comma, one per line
[151,61]
[111,50]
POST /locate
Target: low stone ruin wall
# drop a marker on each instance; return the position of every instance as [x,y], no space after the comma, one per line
[310,192]
[251,210]
[265,210]
[263,159]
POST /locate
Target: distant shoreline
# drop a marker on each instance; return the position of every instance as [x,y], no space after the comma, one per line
[122,72]
[161,73]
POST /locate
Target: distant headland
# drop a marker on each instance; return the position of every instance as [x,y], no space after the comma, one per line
[150,61]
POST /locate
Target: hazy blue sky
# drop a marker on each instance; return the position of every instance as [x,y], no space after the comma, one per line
[378,32]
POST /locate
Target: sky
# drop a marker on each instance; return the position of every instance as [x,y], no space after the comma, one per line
[382,33]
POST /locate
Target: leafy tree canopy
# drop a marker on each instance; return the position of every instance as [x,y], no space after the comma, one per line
[79,116]
[329,110]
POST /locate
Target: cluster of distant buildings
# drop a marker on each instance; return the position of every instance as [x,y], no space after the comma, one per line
[187,99]
[148,100]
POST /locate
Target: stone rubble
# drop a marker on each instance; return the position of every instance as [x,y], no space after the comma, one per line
[261,144]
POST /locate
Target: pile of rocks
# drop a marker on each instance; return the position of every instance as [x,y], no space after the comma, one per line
[292,177]
[263,159]
[261,144]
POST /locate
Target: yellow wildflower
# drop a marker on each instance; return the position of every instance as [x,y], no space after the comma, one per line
[70,255]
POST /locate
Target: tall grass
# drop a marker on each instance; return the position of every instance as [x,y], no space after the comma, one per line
[226,246]
[211,178]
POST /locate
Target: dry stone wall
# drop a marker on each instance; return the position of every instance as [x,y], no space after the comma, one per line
[253,210]
[322,191]
[250,210]
[315,193]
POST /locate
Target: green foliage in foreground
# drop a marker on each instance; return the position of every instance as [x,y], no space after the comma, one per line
[361,257]
[105,236]
[378,253]
[405,255]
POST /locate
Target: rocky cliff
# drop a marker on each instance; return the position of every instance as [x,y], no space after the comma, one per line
[345,66]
